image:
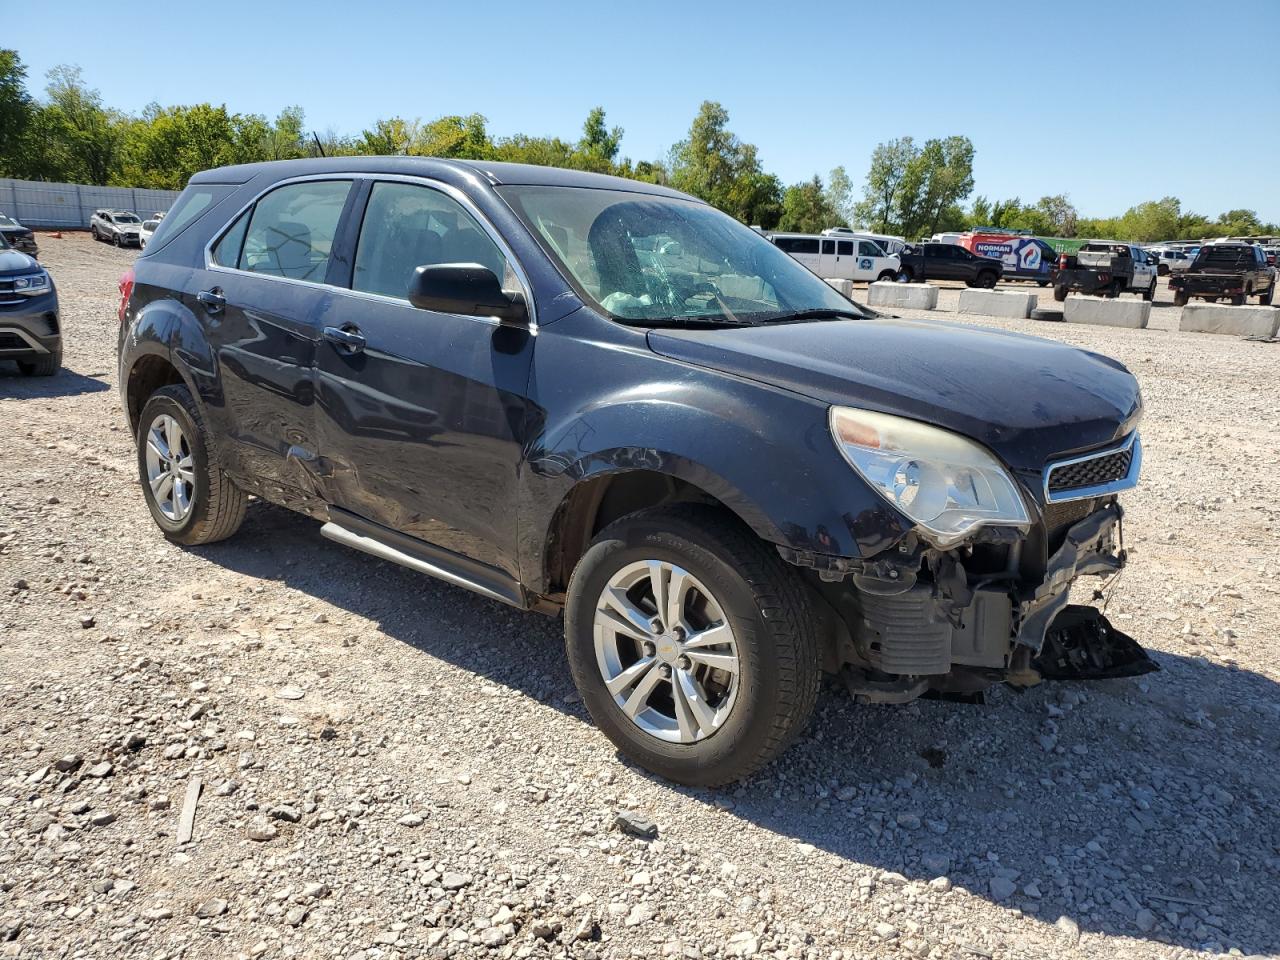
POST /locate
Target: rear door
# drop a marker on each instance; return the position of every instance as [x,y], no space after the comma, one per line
[259,297]
[422,416]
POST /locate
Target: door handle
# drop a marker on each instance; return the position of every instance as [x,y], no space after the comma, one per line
[349,338]
[213,300]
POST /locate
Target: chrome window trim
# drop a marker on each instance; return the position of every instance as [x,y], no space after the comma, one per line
[448,190]
[1127,482]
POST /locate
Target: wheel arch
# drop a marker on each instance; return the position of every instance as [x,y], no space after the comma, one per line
[597,500]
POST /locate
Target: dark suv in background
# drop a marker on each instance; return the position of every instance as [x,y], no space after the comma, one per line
[949,261]
[29,329]
[570,392]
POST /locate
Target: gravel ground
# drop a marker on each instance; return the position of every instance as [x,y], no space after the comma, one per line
[392,767]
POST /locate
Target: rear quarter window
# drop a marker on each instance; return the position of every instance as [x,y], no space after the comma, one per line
[191,203]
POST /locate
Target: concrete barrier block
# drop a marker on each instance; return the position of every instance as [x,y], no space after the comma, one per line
[1233,321]
[909,296]
[1107,312]
[997,303]
[844,286]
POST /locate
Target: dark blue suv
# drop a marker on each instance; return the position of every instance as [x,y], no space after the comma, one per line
[577,393]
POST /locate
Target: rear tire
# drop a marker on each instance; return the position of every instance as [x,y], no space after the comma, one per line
[1237,299]
[987,280]
[1180,298]
[45,365]
[1150,293]
[1060,294]
[115,239]
[1267,298]
[215,506]
[771,633]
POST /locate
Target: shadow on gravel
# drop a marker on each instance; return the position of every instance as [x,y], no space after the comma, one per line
[1141,808]
[65,383]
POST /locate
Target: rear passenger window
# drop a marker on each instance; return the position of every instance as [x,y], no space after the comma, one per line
[845,248]
[291,230]
[407,226]
[226,252]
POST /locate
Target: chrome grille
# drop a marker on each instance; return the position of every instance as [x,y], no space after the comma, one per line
[1094,474]
[1088,473]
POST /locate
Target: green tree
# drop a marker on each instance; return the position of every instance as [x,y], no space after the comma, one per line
[880,200]
[807,208]
[83,138]
[390,137]
[16,108]
[713,164]
[466,138]
[840,194]
[598,147]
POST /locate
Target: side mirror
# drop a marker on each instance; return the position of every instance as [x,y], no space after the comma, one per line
[465,288]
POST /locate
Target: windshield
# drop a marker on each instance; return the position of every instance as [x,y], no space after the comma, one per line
[125,218]
[646,259]
[8,221]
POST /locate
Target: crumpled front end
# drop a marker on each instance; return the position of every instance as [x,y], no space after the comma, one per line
[918,618]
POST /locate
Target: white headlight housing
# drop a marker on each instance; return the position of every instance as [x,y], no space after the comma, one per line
[945,483]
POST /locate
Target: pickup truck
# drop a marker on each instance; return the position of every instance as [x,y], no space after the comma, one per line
[1235,271]
[948,261]
[1107,269]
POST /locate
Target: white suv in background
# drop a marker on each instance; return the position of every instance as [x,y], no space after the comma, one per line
[839,257]
[119,226]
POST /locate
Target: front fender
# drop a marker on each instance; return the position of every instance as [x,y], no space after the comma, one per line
[764,452]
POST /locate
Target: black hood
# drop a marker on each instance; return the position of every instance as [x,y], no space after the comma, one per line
[11,262]
[1025,398]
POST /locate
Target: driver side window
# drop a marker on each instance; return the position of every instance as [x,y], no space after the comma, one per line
[407,226]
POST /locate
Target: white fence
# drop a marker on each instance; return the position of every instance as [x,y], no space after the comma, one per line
[70,205]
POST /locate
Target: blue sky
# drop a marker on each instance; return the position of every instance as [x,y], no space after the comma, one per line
[1110,103]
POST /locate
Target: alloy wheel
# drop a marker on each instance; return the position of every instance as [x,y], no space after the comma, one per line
[170,469]
[666,651]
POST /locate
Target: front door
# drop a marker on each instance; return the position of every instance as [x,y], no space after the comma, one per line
[259,298]
[422,414]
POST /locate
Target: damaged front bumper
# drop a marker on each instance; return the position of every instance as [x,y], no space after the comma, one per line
[955,622]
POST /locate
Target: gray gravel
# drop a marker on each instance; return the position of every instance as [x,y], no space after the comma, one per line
[392,767]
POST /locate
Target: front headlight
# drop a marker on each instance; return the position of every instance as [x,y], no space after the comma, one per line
[32,284]
[945,483]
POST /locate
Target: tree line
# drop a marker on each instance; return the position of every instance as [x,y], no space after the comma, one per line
[911,189]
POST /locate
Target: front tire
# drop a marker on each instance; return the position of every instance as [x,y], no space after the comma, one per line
[45,365]
[987,280]
[692,644]
[886,276]
[1150,293]
[191,500]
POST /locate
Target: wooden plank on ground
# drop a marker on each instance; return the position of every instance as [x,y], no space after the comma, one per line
[187,819]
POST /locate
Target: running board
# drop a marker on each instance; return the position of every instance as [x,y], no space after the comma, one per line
[422,557]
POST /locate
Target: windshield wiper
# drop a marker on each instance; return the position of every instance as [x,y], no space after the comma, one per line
[693,321]
[821,313]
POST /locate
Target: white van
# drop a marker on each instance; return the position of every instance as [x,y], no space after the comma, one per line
[837,257]
[891,245]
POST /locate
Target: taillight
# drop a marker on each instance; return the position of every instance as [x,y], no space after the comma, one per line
[1062,261]
[126,291]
